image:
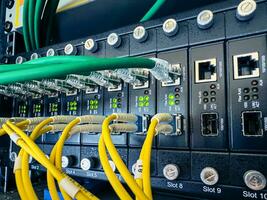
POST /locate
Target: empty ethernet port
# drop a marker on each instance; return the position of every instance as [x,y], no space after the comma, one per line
[252,123]
[246,65]
[205,71]
[209,124]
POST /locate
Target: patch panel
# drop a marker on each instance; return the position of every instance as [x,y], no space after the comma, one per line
[216,95]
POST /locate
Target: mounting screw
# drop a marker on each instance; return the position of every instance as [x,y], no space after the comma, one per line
[140,34]
[87,163]
[10,4]
[91,45]
[246,10]
[209,176]
[67,161]
[34,56]
[50,52]
[114,40]
[254,180]
[205,19]
[8,26]
[171,172]
[20,60]
[70,49]
[170,27]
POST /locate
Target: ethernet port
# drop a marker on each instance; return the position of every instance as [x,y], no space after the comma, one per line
[205,71]
[246,65]
[143,78]
[209,124]
[252,123]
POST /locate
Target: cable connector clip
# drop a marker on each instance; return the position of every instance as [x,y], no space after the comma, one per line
[163,117]
[124,117]
[14,137]
[165,129]
[17,164]
[69,187]
[161,70]
[138,169]
[122,128]
[91,119]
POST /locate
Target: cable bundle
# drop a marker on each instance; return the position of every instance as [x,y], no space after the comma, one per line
[38,17]
[21,166]
[38,14]
[140,185]
[60,66]
[69,125]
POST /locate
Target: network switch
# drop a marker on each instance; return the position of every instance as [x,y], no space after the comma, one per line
[215,93]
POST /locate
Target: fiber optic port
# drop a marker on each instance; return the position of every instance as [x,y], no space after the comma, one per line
[205,70]
[246,65]
[209,124]
[142,124]
[179,121]
[252,123]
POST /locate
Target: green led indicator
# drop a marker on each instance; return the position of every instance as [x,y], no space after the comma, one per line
[141,104]
[37,108]
[143,101]
[171,96]
[114,105]
[54,107]
[141,98]
[146,98]
[114,100]
[171,103]
[22,109]
[93,104]
[72,106]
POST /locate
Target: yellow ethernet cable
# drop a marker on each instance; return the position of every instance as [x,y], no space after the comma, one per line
[145,155]
[25,159]
[37,132]
[21,139]
[58,154]
[113,179]
[50,179]
[68,131]
[122,168]
[22,124]
[21,170]
[25,166]
[18,164]
[66,182]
